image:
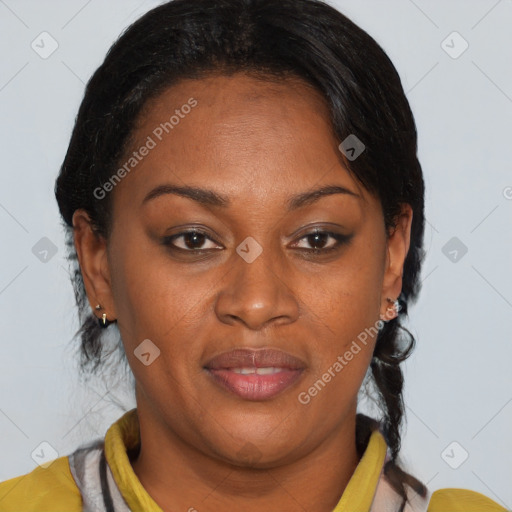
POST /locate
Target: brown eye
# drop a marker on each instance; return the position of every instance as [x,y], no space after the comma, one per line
[319,241]
[192,241]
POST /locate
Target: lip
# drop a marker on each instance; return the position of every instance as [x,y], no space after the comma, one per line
[254,386]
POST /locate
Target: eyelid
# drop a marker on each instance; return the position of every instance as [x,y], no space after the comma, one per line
[341,239]
[167,240]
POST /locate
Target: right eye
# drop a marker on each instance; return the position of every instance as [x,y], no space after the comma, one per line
[192,241]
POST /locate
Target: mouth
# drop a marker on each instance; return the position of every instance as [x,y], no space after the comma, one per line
[255,375]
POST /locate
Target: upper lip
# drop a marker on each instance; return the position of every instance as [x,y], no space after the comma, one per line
[255,358]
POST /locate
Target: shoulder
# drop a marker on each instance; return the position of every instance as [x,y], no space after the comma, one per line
[44,488]
[462,500]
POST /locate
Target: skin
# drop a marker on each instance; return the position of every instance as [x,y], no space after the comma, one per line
[257,142]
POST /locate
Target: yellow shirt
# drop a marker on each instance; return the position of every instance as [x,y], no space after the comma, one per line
[54,489]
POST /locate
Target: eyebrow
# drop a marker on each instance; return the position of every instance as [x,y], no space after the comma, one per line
[211,198]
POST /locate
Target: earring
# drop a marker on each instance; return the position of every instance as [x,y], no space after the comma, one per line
[391,311]
[103,320]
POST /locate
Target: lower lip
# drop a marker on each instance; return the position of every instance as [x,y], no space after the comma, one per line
[254,386]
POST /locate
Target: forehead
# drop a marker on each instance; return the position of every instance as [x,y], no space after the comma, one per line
[238,134]
[232,90]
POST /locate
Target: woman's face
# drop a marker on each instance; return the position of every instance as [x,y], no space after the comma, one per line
[243,152]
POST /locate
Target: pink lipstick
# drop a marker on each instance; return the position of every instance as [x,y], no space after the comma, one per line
[255,374]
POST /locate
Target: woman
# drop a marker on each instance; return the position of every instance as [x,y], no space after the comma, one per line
[243,200]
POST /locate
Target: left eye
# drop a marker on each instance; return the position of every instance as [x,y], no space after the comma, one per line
[320,238]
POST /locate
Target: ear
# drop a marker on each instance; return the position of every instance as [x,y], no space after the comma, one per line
[91,249]
[397,248]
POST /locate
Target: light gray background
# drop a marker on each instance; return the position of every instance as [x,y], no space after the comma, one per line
[458,381]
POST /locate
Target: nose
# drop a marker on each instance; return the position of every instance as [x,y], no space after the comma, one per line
[257,293]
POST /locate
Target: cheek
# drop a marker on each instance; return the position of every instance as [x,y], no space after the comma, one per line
[343,351]
[348,298]
[345,305]
[154,304]
[155,301]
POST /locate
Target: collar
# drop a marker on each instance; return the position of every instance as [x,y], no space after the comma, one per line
[366,491]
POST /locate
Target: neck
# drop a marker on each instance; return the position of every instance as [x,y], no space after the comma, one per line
[180,477]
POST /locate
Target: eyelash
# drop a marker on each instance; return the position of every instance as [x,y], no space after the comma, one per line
[340,241]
